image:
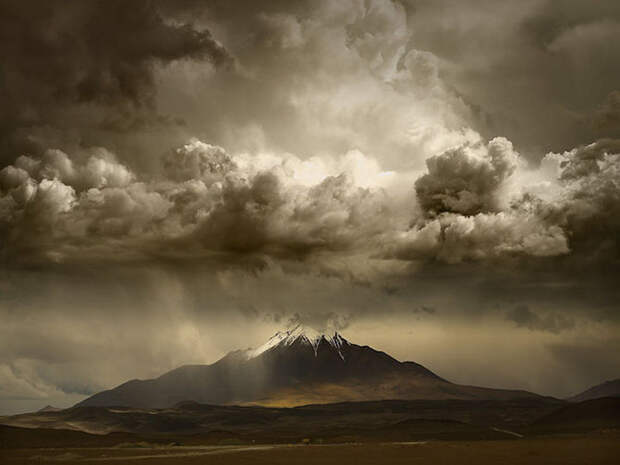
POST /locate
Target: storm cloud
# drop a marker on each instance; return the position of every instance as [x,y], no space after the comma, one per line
[81,72]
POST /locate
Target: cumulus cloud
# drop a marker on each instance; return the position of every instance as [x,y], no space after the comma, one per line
[466,179]
[454,238]
[267,211]
[208,201]
[205,198]
[197,160]
[590,178]
[52,198]
[472,212]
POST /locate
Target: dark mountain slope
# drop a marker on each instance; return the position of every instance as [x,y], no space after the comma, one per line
[320,420]
[606,389]
[582,416]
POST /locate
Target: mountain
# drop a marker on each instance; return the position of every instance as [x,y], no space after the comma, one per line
[295,367]
[49,408]
[606,389]
[587,415]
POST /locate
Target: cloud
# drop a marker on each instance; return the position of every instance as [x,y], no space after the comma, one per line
[319,79]
[473,210]
[584,44]
[327,322]
[86,70]
[197,160]
[466,179]
[205,201]
[425,309]
[607,115]
[454,238]
[263,215]
[553,322]
[590,203]
[476,203]
[53,197]
[534,72]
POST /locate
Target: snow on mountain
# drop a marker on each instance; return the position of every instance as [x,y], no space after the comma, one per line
[304,335]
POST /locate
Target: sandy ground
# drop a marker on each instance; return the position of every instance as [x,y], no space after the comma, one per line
[597,449]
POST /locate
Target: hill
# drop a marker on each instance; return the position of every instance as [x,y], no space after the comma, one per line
[606,389]
[583,416]
[373,420]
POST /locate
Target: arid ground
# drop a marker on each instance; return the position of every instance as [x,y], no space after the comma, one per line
[599,448]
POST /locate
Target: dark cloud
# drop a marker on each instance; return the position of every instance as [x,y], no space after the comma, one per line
[85,67]
[424,310]
[552,322]
[535,71]
[607,115]
[591,178]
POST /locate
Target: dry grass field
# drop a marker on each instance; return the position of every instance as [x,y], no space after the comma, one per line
[594,449]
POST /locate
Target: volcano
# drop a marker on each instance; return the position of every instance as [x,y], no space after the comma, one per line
[296,367]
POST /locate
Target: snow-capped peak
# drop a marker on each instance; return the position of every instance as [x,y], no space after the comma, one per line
[301,333]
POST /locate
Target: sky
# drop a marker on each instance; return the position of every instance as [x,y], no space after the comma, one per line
[439,180]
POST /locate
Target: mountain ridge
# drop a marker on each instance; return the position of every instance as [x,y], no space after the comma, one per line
[610,388]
